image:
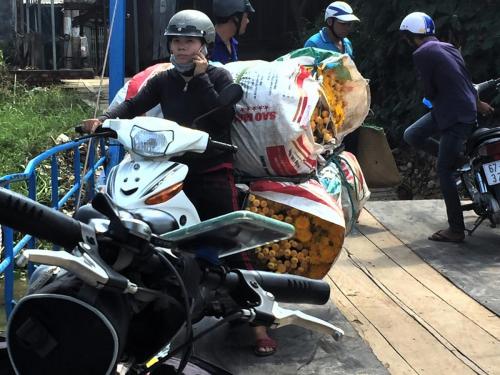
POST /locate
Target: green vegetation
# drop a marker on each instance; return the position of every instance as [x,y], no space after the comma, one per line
[31,119]
[385,59]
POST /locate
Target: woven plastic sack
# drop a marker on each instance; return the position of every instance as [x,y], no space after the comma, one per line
[318,221]
[344,170]
[344,90]
[271,125]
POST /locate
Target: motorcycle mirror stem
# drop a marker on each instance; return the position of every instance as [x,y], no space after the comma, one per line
[229,96]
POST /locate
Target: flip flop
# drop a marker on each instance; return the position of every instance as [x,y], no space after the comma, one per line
[263,344]
[443,236]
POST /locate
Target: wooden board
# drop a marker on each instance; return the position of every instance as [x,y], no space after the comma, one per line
[414,319]
[428,276]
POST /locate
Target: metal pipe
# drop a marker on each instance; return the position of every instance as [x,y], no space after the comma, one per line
[39,17]
[116,59]
[40,30]
[27,9]
[116,47]
[136,36]
[76,45]
[14,16]
[68,55]
[53,24]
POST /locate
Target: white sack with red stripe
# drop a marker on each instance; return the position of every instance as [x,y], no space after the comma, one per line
[309,196]
[271,125]
[137,82]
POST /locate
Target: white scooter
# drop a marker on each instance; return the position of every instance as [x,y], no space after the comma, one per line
[146,178]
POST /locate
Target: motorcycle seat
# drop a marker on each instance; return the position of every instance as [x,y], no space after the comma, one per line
[479,136]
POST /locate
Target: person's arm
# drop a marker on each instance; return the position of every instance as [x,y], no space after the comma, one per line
[309,43]
[348,48]
[483,108]
[208,88]
[147,98]
[426,63]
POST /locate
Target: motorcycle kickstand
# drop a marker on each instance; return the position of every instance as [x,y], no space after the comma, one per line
[477,223]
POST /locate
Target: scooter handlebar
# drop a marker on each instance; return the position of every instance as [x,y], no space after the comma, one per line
[487,85]
[222,146]
[25,215]
[285,288]
[293,288]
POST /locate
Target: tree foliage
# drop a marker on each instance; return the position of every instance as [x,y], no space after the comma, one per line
[385,59]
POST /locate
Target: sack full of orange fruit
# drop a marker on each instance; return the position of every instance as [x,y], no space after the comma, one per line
[345,95]
[319,227]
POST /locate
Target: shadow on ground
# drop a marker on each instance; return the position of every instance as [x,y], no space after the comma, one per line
[300,351]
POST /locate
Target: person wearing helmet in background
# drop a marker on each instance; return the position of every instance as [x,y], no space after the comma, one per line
[455,103]
[339,18]
[190,89]
[231,19]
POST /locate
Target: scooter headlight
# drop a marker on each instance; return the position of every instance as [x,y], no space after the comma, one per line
[150,143]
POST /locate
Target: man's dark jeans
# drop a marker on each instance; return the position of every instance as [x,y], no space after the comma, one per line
[447,150]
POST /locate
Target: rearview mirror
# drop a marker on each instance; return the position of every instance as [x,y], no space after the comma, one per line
[230,95]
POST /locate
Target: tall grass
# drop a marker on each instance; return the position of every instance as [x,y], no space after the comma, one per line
[31,118]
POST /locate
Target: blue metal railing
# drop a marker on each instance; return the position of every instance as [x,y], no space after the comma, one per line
[29,175]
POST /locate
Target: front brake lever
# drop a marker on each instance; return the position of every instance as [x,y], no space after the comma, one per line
[84,267]
[269,313]
[89,271]
[284,317]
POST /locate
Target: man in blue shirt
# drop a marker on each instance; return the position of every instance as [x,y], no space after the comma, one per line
[455,103]
[231,19]
[333,37]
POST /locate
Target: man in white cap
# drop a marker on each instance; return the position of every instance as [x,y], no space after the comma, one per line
[333,37]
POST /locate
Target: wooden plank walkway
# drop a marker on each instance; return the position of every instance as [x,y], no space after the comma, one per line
[414,319]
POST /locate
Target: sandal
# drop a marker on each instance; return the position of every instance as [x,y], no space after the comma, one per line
[445,235]
[265,347]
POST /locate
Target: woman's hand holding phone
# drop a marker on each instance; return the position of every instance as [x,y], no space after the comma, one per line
[200,62]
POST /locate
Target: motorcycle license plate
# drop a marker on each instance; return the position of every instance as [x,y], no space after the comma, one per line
[492,172]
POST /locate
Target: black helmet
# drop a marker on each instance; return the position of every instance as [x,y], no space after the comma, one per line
[191,23]
[226,8]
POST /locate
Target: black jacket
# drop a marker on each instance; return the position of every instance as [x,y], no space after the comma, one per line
[182,102]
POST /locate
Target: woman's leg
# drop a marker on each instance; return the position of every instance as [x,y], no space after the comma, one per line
[215,194]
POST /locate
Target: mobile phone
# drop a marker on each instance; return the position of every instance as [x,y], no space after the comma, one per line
[204,50]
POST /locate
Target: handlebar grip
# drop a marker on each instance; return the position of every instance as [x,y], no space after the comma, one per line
[487,85]
[27,216]
[222,146]
[292,288]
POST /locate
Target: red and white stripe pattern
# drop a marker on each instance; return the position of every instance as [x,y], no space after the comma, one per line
[309,197]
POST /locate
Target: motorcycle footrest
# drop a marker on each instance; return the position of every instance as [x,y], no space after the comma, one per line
[468,207]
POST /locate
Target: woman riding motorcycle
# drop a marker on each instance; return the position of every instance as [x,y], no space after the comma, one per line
[186,92]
